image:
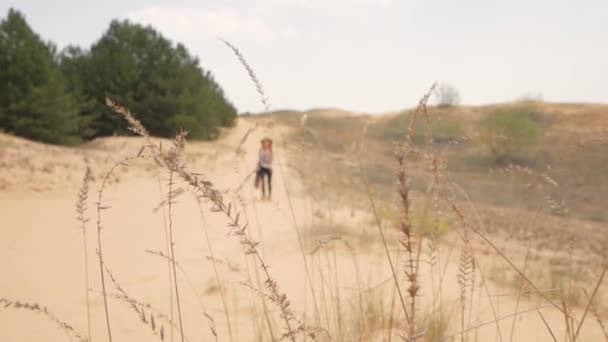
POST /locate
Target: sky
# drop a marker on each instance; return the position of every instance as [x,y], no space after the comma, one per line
[368,56]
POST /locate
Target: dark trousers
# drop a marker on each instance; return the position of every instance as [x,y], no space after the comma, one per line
[265,174]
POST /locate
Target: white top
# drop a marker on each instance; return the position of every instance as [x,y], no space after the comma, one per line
[265,160]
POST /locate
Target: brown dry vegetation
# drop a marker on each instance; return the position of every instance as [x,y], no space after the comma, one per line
[563,182]
[548,201]
[329,275]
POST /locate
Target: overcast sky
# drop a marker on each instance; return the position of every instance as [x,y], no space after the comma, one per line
[366,55]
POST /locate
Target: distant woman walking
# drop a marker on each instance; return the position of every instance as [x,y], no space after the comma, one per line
[264,169]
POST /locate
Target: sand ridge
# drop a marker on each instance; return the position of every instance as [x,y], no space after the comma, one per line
[41,244]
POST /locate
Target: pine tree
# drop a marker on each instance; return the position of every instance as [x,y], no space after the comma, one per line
[34,101]
[162,84]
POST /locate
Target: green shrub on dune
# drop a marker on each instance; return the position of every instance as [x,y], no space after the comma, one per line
[509,134]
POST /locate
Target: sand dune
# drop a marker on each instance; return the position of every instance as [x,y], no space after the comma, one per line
[41,249]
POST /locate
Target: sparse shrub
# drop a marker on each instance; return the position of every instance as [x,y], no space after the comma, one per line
[509,134]
[424,221]
[442,130]
[428,222]
[435,325]
[447,95]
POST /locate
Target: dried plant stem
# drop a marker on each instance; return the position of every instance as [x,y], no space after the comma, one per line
[256,321]
[252,75]
[568,323]
[598,319]
[168,251]
[300,241]
[546,325]
[383,237]
[136,306]
[458,212]
[267,319]
[495,321]
[405,225]
[36,308]
[597,286]
[173,161]
[323,293]
[466,268]
[100,208]
[81,207]
[185,275]
[337,284]
[173,260]
[485,287]
[391,316]
[271,284]
[216,271]
[520,291]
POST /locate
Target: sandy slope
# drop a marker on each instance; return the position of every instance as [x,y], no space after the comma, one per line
[41,246]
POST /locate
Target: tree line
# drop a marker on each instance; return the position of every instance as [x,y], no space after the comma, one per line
[59,96]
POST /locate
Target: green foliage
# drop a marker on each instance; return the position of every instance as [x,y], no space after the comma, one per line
[72,63]
[424,221]
[160,83]
[61,98]
[34,99]
[509,134]
[442,128]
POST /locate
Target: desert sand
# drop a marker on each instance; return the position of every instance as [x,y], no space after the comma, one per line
[41,250]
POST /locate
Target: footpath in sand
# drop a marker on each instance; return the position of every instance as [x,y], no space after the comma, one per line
[41,248]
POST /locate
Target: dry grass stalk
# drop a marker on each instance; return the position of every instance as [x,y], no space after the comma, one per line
[568,322]
[299,238]
[173,161]
[81,208]
[100,208]
[188,281]
[466,227]
[597,317]
[378,222]
[460,216]
[520,291]
[466,270]
[215,262]
[209,318]
[138,128]
[161,205]
[170,203]
[159,315]
[239,147]
[480,325]
[232,267]
[269,322]
[591,298]
[411,247]
[266,104]
[252,75]
[177,192]
[36,308]
[546,325]
[324,243]
[134,125]
[137,307]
